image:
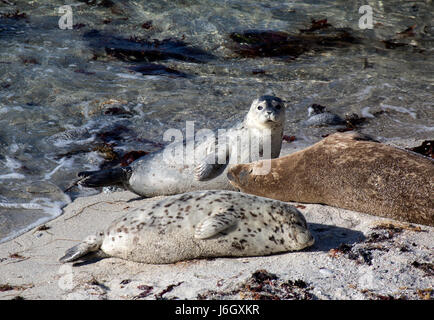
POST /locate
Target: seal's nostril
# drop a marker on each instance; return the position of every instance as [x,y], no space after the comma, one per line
[230,176]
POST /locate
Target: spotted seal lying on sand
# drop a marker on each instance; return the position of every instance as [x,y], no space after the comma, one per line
[159,174]
[350,171]
[200,224]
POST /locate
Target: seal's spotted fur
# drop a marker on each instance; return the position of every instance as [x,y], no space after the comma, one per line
[198,225]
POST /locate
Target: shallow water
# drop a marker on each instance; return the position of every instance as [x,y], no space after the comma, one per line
[65,93]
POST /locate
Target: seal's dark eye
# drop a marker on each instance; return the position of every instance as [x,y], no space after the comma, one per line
[278,107]
[260,108]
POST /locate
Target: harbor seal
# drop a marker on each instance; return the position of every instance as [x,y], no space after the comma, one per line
[157,174]
[200,224]
[319,116]
[350,171]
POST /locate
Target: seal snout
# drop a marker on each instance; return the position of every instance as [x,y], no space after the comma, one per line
[299,237]
[270,116]
[230,176]
[305,238]
[235,174]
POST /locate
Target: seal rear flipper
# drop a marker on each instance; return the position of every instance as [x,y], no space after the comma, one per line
[74,253]
[90,244]
[211,226]
[104,178]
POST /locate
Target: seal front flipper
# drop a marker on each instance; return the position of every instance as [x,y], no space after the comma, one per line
[208,169]
[211,226]
[103,178]
[90,244]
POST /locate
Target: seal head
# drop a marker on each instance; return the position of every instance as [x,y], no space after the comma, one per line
[266,112]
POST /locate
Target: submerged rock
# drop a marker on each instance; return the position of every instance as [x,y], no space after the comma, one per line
[269,43]
[157,69]
[138,50]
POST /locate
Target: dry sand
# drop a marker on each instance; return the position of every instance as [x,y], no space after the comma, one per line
[356,256]
[383,259]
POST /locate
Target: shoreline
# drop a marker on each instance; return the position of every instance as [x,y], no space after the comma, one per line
[287,148]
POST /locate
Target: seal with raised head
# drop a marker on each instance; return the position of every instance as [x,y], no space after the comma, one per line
[200,224]
[159,174]
[350,171]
